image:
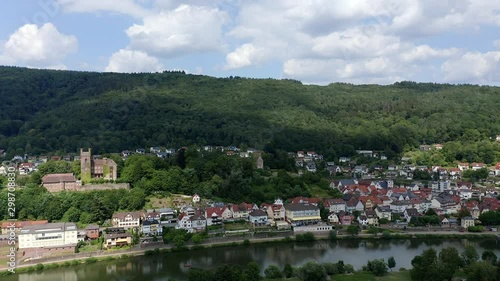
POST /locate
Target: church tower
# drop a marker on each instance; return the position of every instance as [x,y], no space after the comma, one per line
[86,165]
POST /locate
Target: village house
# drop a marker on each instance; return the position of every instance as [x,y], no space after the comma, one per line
[92,231]
[117,239]
[151,227]
[384,212]
[127,220]
[216,215]
[354,205]
[372,217]
[241,211]
[333,218]
[276,211]
[362,220]
[334,205]
[410,213]
[465,222]
[345,218]
[198,223]
[257,217]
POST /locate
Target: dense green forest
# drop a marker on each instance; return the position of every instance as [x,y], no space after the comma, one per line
[44,111]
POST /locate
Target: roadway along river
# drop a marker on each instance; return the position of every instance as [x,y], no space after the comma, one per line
[171,265]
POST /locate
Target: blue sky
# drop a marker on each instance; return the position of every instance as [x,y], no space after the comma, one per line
[317,41]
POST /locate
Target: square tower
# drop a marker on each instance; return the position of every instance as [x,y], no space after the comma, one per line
[86,165]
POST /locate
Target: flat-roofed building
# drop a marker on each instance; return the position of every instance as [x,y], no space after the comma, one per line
[298,214]
[61,234]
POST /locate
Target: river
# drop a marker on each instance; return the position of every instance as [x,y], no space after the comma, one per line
[171,265]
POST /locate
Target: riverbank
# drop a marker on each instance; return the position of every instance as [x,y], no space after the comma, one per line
[236,241]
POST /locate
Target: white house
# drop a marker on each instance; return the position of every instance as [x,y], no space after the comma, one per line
[333,218]
[466,222]
[127,220]
[257,217]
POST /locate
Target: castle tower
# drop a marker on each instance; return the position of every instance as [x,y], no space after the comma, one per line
[86,165]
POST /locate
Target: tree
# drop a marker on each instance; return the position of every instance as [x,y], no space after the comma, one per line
[377,267]
[72,215]
[464,212]
[425,267]
[197,238]
[332,235]
[450,261]
[489,255]
[469,255]
[391,263]
[252,272]
[288,271]
[313,271]
[353,229]
[482,271]
[273,272]
[228,272]
[430,212]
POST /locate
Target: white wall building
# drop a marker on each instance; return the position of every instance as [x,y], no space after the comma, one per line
[48,235]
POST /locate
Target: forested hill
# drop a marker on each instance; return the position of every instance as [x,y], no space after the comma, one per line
[44,111]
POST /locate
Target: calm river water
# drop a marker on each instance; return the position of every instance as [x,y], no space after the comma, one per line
[171,265]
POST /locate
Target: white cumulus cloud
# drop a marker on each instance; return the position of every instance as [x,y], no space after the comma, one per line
[39,47]
[133,61]
[186,29]
[473,67]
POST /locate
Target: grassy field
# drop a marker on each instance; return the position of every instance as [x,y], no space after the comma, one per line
[236,226]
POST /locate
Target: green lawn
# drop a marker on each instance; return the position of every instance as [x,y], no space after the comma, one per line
[236,226]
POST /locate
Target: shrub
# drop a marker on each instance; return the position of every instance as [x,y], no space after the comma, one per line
[246,242]
[39,266]
[332,235]
[91,260]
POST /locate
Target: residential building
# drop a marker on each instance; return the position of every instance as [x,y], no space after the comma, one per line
[384,212]
[345,218]
[117,239]
[92,231]
[409,213]
[257,217]
[465,222]
[276,212]
[362,220]
[58,235]
[333,218]
[151,228]
[299,214]
[127,220]
[334,205]
[198,223]
[372,217]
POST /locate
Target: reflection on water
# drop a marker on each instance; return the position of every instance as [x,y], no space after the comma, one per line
[171,265]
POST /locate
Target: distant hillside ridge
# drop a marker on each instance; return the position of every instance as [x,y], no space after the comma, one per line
[44,111]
